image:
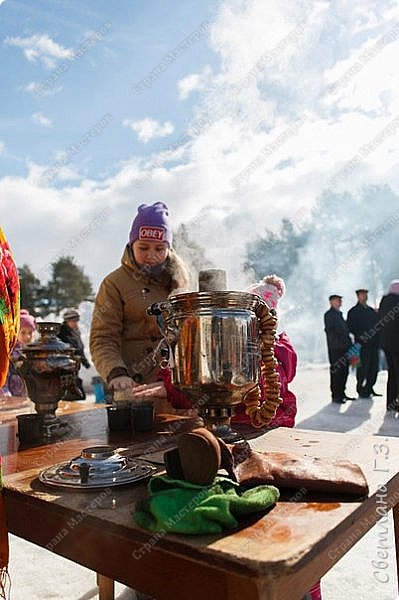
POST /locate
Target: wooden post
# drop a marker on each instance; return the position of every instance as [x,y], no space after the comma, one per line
[106,590]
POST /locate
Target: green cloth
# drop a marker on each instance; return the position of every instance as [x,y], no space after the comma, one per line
[182,507]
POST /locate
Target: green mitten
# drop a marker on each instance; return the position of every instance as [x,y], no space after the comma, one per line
[182,507]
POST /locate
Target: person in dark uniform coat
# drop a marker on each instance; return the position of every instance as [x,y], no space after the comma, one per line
[70,334]
[361,321]
[388,323]
[338,344]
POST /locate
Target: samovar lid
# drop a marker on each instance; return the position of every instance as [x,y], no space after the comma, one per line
[97,467]
[217,299]
[48,340]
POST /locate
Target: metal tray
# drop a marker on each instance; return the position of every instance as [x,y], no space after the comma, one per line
[62,475]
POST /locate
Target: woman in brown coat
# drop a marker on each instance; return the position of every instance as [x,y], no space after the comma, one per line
[123,338]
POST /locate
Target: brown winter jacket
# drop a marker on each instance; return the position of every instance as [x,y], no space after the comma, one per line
[122,335]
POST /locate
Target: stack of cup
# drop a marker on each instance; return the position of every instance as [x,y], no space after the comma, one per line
[128,412]
[142,415]
[119,412]
[29,428]
[118,418]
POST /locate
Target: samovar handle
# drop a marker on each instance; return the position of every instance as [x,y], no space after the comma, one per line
[262,413]
[158,308]
[164,349]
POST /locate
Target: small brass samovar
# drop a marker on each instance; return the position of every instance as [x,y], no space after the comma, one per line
[49,368]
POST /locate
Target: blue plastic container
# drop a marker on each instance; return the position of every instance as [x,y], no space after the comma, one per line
[99,391]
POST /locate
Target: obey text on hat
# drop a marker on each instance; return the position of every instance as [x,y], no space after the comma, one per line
[152,233]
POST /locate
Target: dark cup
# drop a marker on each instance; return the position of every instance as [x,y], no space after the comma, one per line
[29,428]
[118,418]
[143,416]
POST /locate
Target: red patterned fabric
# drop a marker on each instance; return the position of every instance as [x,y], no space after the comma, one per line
[9,328]
[9,306]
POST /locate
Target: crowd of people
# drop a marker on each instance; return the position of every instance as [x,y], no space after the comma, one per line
[357,341]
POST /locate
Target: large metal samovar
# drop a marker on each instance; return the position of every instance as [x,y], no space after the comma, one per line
[49,368]
[213,349]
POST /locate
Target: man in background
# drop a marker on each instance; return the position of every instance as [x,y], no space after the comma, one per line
[361,321]
[70,334]
[338,344]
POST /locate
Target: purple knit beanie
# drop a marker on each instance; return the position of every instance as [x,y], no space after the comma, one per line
[151,224]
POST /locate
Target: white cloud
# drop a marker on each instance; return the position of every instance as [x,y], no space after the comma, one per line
[34,88]
[41,120]
[194,82]
[147,129]
[362,83]
[40,48]
[2,148]
[31,87]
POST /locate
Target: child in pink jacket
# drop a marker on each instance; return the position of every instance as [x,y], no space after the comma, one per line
[286,368]
[271,289]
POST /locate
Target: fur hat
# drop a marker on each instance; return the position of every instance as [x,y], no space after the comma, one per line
[271,289]
[151,224]
[26,320]
[71,314]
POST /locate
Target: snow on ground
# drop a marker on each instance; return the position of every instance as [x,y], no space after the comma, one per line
[38,574]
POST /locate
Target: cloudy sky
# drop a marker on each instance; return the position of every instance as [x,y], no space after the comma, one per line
[235,113]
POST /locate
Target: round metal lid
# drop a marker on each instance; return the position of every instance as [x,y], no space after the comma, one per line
[98,452]
[96,467]
[48,340]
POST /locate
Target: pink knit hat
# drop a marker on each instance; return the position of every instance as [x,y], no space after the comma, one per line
[27,320]
[271,289]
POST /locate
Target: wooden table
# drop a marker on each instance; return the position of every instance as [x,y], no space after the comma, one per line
[11,406]
[274,556]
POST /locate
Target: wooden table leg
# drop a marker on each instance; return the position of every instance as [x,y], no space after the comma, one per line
[106,589]
[396,531]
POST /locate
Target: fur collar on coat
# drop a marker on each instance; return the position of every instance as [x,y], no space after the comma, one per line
[174,277]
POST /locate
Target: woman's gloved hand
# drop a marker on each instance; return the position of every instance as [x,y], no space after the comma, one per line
[123,382]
